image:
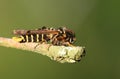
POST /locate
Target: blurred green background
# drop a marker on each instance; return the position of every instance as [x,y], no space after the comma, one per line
[97,26]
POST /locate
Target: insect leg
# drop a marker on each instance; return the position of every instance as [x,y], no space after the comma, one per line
[67,44]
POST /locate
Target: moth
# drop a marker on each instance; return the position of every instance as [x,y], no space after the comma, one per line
[56,36]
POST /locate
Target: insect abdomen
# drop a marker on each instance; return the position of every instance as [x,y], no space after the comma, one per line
[34,38]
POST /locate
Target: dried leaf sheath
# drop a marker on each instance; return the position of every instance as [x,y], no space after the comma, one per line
[57,53]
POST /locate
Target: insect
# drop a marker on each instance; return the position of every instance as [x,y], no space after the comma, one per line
[56,36]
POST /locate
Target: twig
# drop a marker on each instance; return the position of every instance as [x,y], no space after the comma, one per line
[58,53]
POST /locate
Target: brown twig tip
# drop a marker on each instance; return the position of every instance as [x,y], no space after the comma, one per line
[58,53]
